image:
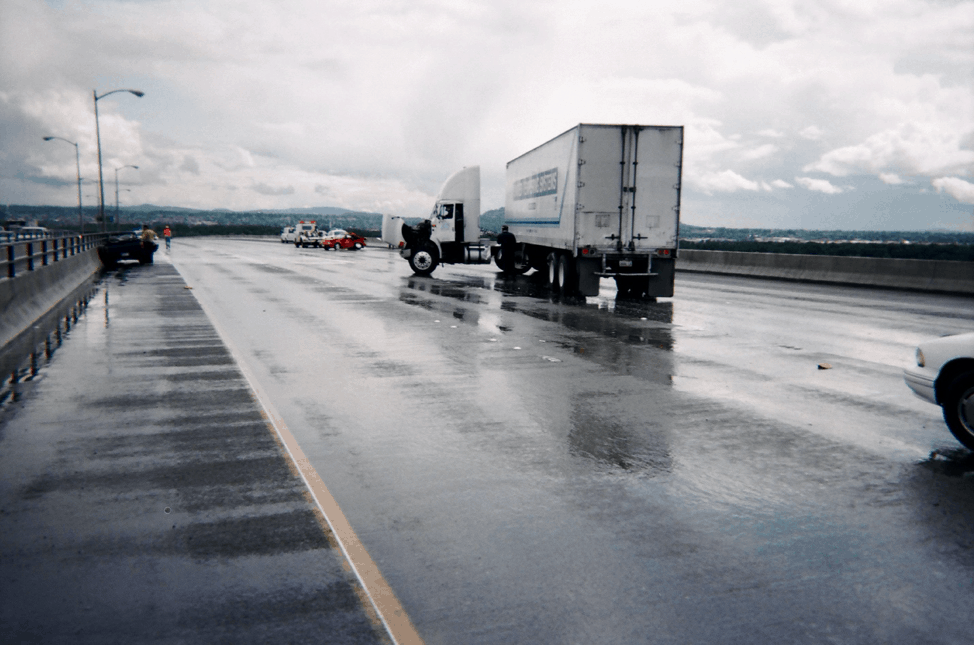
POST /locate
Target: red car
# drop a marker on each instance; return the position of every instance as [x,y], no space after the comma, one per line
[342,239]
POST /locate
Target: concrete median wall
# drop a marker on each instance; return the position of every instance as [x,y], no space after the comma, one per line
[920,275]
[31,294]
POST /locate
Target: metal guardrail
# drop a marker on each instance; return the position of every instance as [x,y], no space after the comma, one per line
[20,256]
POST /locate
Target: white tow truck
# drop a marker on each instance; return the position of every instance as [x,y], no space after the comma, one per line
[306,234]
[598,201]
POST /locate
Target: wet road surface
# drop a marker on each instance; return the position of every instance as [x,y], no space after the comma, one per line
[525,469]
[145,498]
[532,470]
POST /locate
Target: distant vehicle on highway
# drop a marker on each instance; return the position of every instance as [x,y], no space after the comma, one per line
[341,239]
[287,234]
[335,233]
[306,234]
[944,375]
[32,233]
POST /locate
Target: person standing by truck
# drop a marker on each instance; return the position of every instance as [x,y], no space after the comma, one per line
[166,233]
[506,240]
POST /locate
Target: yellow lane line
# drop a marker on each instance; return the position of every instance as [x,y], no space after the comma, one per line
[390,611]
[384,600]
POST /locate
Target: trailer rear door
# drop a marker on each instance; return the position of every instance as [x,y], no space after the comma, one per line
[657,153]
[628,187]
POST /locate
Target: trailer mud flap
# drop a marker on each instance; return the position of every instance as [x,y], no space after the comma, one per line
[588,281]
[661,282]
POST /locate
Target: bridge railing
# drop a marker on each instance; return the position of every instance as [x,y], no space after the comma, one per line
[21,256]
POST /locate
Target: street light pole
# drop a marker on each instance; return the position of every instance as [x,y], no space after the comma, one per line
[117,220]
[101,182]
[77,160]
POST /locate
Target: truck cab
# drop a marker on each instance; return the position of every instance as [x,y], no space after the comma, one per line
[451,234]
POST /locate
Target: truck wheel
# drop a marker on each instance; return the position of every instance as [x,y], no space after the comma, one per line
[566,275]
[424,259]
[553,270]
[958,404]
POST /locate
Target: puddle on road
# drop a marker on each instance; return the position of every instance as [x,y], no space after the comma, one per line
[637,322]
[22,360]
[958,462]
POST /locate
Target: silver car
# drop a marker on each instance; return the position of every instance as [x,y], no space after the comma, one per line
[944,375]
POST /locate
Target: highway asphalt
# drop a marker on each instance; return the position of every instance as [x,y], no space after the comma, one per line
[526,468]
[145,496]
[523,468]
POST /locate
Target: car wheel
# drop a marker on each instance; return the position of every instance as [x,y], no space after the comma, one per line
[358,245]
[424,259]
[958,404]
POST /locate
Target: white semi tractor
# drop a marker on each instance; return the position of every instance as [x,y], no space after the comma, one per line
[598,201]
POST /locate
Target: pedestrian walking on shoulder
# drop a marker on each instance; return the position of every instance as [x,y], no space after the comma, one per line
[166,233]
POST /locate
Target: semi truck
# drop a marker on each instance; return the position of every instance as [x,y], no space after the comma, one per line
[597,201]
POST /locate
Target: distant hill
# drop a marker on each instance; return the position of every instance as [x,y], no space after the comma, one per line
[67,217]
[490,221]
[709,233]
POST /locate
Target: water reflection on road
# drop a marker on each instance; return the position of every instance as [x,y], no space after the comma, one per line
[531,468]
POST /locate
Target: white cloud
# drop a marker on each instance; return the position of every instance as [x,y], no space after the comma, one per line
[726,181]
[264,189]
[378,102]
[891,178]
[820,185]
[913,148]
[812,133]
[962,191]
[759,152]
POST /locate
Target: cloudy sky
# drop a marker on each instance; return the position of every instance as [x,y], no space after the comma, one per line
[798,113]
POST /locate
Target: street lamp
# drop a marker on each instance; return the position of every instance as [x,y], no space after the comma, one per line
[117,220]
[101,183]
[77,159]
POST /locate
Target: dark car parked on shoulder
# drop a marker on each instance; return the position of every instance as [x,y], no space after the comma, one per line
[125,246]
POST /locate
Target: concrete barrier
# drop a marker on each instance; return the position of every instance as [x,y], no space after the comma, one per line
[920,275]
[30,295]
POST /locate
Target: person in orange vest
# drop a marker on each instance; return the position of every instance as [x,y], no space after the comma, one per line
[166,233]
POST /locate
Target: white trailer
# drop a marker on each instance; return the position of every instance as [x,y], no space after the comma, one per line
[596,201]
